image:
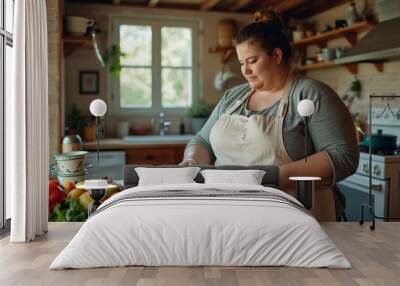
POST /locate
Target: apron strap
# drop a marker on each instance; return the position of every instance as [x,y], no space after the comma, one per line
[238,103]
[282,109]
[283,104]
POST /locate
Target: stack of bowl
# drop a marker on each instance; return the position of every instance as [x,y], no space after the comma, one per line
[70,166]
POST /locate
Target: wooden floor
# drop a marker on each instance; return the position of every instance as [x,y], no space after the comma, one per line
[375,256]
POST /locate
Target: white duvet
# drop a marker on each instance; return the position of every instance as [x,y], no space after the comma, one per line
[190,231]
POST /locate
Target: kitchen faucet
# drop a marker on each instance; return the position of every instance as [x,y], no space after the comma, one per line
[164,125]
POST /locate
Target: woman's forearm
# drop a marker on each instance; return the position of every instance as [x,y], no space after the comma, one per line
[318,165]
[199,153]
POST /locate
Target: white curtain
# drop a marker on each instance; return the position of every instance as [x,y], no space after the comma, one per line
[27,139]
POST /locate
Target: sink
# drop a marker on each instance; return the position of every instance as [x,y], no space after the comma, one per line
[159,138]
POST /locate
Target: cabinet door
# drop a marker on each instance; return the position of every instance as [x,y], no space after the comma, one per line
[155,156]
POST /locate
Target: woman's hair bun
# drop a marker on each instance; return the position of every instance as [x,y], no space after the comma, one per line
[268,32]
[268,16]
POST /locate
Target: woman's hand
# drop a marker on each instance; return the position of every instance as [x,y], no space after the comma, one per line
[188,162]
[195,155]
[317,165]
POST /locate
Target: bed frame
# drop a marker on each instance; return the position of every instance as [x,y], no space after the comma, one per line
[270,179]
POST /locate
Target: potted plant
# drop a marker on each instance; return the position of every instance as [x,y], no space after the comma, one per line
[112,59]
[199,112]
[76,121]
[353,92]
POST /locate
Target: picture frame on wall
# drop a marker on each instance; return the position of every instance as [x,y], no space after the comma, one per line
[88,82]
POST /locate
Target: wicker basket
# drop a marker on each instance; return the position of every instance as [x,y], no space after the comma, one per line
[226,32]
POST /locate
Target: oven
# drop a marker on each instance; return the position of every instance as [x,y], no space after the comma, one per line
[385,171]
[356,191]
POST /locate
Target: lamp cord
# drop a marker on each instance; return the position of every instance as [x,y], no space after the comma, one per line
[305,138]
[97,137]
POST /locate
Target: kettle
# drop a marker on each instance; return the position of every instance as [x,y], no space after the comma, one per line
[71,143]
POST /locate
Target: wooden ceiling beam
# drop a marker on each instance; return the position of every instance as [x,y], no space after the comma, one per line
[314,7]
[153,3]
[286,5]
[209,4]
[239,5]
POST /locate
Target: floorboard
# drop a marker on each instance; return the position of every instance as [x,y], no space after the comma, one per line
[374,255]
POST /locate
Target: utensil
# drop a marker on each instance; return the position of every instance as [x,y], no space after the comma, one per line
[223,76]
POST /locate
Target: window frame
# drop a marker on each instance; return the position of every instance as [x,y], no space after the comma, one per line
[156,25]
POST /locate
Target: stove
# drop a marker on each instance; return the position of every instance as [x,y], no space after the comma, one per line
[385,174]
[365,149]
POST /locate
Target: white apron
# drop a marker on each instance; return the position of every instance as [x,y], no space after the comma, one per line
[258,140]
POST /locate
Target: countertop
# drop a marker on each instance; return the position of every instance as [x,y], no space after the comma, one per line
[138,142]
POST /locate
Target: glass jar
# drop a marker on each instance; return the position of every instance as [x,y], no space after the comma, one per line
[352,14]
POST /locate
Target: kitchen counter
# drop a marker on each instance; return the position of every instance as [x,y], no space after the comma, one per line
[138,142]
[147,149]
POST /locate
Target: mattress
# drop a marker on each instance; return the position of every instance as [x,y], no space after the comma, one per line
[201,225]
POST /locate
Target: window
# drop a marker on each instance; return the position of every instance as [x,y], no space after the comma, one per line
[6,43]
[159,68]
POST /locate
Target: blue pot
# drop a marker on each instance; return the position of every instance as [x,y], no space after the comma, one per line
[381,142]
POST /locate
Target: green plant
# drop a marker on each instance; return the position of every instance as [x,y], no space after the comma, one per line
[199,109]
[69,210]
[352,93]
[76,121]
[112,59]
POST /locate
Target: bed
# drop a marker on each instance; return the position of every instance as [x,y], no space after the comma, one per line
[198,224]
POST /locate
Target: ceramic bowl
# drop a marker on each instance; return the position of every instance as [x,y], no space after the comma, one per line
[71,162]
[55,170]
[63,177]
[73,178]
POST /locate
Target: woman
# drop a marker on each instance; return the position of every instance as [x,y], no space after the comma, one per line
[257,123]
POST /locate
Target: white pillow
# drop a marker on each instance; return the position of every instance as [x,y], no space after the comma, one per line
[248,177]
[164,176]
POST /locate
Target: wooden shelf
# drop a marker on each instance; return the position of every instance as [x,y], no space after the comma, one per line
[316,66]
[352,67]
[227,53]
[350,33]
[72,43]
